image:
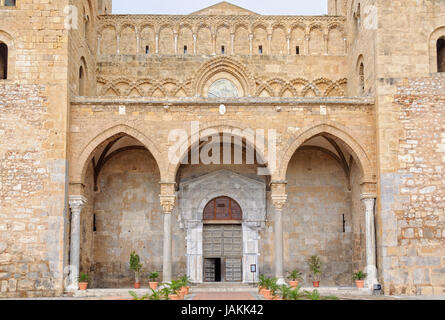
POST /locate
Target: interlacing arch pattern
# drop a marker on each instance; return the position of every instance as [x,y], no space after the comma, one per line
[268,88]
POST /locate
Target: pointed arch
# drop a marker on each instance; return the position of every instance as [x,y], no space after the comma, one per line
[83,158]
[336,132]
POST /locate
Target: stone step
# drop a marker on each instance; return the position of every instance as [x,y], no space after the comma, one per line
[223,287]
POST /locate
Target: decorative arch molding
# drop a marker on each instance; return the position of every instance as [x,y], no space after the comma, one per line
[336,132]
[8,40]
[435,36]
[223,65]
[217,127]
[83,158]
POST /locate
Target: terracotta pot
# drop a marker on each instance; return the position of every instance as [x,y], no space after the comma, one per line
[260,290]
[137,285]
[83,285]
[184,291]
[316,284]
[188,289]
[360,284]
[267,294]
[293,284]
[153,285]
[174,297]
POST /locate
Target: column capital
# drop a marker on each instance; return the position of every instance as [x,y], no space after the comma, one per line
[77,202]
[368,196]
[167,203]
[279,200]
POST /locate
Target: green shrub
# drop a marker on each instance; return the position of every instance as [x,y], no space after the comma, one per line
[83,277]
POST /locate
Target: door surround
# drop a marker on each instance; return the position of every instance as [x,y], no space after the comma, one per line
[196,193]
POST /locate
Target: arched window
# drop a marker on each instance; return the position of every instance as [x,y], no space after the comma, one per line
[81,81]
[361,74]
[3,61]
[222,208]
[441,55]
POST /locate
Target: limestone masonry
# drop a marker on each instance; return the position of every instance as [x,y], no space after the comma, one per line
[339,121]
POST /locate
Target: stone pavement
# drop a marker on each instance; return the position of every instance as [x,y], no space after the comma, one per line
[224,296]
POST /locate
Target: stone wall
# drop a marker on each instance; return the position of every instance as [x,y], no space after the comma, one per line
[318,201]
[413,252]
[33,122]
[128,217]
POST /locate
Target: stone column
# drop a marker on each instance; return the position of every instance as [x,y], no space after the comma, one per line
[118,45]
[232,40]
[157,43]
[195,50]
[251,43]
[288,46]
[214,43]
[326,42]
[175,36]
[307,38]
[371,265]
[99,38]
[76,204]
[269,41]
[279,198]
[167,198]
[345,45]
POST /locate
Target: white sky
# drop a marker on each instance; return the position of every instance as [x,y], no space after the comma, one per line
[265,7]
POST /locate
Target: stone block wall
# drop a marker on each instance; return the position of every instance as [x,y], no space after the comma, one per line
[33,122]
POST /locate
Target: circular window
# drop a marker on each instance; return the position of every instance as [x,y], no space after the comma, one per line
[223,88]
[222,208]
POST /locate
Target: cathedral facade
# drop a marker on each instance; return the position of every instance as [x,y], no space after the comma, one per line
[223,145]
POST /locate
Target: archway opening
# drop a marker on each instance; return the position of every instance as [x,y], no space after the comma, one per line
[322,216]
[122,214]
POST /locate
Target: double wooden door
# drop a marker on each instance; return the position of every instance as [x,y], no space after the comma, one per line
[223,251]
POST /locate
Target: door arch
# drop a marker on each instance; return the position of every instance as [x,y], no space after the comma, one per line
[222,209]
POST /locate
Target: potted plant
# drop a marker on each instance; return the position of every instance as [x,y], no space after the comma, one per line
[262,284]
[174,288]
[83,281]
[359,278]
[136,266]
[269,287]
[294,277]
[315,268]
[153,284]
[274,289]
[185,285]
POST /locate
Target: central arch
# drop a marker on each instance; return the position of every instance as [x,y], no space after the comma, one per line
[226,67]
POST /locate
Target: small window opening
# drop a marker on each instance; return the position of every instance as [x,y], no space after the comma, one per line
[3,61]
[147,49]
[185,50]
[297,50]
[260,49]
[441,55]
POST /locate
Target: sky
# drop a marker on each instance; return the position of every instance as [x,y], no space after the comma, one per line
[265,7]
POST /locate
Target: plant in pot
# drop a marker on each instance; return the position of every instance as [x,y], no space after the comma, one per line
[174,288]
[274,291]
[83,281]
[359,278]
[262,284]
[315,268]
[136,266]
[185,282]
[268,287]
[153,276]
[294,277]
